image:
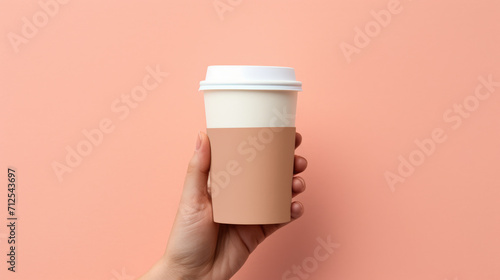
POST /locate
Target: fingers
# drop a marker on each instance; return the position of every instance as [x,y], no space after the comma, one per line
[297,210]
[299,164]
[298,139]
[298,186]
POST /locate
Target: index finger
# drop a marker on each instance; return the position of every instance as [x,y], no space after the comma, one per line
[298,139]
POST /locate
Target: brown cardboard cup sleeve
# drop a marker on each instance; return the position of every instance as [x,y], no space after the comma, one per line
[251,172]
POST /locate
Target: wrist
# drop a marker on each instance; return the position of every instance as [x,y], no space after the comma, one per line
[171,270]
[164,270]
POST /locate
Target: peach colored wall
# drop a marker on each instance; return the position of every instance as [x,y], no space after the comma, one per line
[371,90]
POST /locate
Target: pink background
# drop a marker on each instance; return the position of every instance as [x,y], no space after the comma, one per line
[110,217]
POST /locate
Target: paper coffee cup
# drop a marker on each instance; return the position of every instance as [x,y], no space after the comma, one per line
[250,114]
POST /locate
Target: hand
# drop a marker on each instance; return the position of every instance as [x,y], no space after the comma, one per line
[197,247]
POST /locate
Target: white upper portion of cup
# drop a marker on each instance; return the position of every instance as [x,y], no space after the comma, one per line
[244,77]
[250,108]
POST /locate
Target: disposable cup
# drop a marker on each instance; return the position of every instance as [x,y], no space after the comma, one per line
[250,115]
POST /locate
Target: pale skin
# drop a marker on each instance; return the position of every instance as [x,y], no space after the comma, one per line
[197,247]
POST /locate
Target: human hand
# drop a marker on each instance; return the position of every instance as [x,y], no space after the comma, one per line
[197,247]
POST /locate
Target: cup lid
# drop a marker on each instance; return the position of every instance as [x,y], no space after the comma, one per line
[250,78]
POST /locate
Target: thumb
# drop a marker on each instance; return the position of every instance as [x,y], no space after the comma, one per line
[195,184]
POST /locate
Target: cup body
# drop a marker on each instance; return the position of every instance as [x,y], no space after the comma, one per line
[252,142]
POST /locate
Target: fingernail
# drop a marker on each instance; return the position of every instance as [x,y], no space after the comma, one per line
[198,141]
[302,181]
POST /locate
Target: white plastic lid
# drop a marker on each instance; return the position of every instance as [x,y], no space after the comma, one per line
[250,78]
